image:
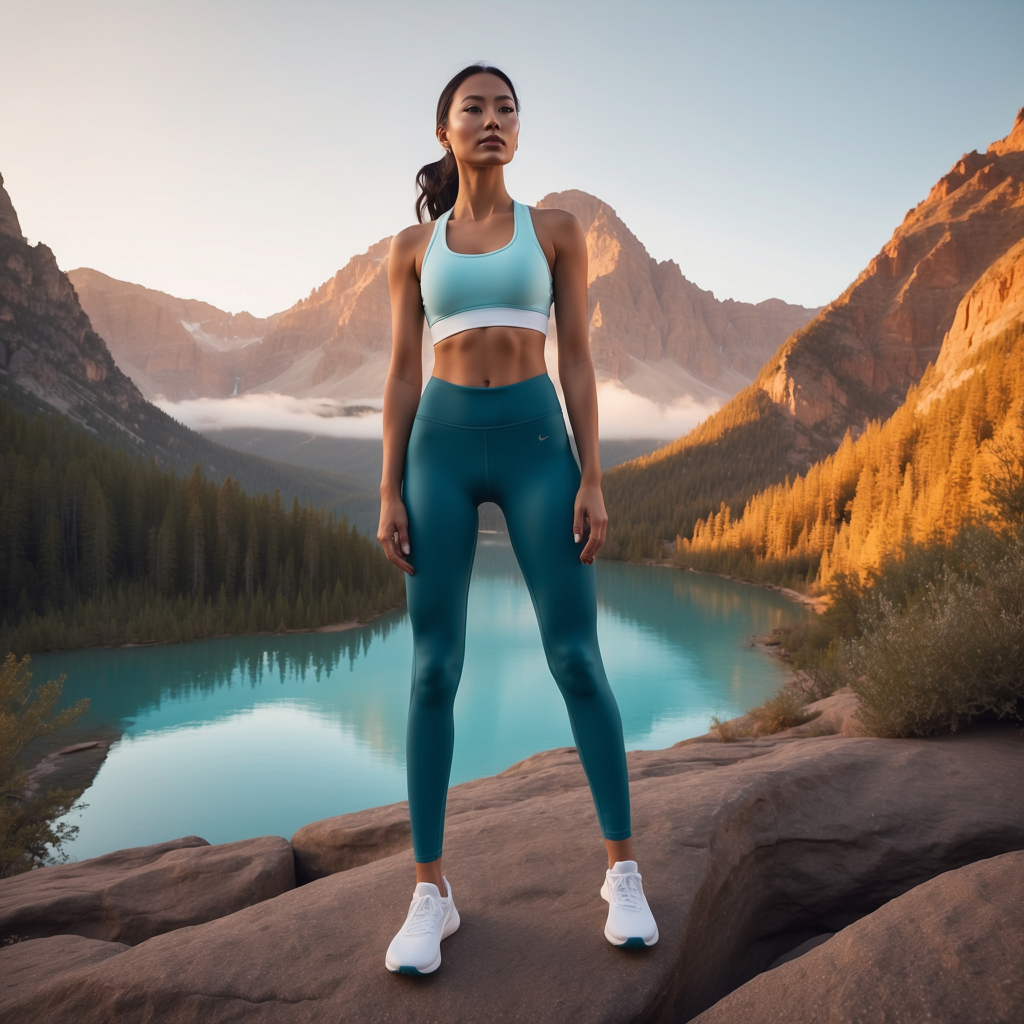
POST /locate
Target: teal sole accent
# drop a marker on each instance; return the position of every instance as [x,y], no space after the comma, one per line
[410,970]
[634,943]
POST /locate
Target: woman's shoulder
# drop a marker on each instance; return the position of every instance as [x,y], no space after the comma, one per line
[414,234]
[412,242]
[552,215]
[557,226]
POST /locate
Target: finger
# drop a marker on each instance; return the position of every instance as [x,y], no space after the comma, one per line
[577,524]
[398,547]
[403,538]
[597,530]
[587,555]
[402,564]
[594,544]
[589,550]
[394,556]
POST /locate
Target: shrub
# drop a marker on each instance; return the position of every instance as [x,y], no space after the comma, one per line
[917,569]
[726,730]
[822,680]
[952,655]
[782,710]
[30,833]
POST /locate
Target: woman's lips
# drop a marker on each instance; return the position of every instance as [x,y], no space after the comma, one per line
[491,140]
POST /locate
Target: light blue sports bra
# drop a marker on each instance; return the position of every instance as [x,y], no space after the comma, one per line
[509,287]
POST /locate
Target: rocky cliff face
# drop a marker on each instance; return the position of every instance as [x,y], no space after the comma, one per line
[47,345]
[856,360]
[994,303]
[336,342]
[178,348]
[647,314]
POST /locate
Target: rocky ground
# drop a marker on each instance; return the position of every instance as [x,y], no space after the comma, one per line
[794,878]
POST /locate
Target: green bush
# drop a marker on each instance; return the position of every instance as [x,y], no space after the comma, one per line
[934,638]
[952,652]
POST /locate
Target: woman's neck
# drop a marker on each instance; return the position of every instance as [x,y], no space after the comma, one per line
[482,193]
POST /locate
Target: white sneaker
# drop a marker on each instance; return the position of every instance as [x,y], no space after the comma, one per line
[416,949]
[630,921]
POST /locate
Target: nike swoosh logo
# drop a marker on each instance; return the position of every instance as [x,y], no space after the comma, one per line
[544,438]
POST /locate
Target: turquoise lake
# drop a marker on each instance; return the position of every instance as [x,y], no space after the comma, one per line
[259,735]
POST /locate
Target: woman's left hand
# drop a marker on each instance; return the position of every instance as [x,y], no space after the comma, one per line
[590,521]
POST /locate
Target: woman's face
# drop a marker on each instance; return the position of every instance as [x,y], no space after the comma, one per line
[483,126]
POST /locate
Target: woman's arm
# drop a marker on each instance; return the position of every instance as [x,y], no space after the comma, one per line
[401,391]
[576,373]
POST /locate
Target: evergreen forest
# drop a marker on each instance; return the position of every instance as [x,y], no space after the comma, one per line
[951,456]
[99,547]
[731,455]
[745,447]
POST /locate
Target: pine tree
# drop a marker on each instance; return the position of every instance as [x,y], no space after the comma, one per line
[98,548]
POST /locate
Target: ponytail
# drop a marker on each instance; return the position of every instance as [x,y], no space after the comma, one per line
[439,186]
[438,183]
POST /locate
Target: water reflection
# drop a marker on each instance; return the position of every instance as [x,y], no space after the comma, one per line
[245,736]
[129,681]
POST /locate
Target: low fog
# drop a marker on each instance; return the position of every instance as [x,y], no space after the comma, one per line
[623,414]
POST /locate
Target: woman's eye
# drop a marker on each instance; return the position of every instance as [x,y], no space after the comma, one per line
[472,109]
[504,110]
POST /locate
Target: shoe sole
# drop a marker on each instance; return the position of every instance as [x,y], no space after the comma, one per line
[635,942]
[415,970]
[449,929]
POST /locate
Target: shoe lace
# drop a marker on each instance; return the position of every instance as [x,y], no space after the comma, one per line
[424,913]
[626,891]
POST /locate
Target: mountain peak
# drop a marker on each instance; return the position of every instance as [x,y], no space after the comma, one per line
[1014,142]
[582,205]
[9,224]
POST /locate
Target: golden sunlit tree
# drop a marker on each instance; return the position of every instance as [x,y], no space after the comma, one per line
[934,467]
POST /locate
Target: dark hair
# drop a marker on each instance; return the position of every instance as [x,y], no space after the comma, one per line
[439,182]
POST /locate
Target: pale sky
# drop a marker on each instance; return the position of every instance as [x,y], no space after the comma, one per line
[241,152]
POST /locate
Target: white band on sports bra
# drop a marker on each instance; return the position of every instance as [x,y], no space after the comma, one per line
[491,316]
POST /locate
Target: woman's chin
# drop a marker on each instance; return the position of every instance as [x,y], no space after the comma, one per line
[492,158]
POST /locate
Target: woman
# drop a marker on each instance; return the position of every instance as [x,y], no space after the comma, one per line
[489,427]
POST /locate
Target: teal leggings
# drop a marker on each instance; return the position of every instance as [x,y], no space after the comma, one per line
[507,445]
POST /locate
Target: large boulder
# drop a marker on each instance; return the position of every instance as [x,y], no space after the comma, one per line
[339,844]
[25,966]
[132,895]
[748,849]
[951,949]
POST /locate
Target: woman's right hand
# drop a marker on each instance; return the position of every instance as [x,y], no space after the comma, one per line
[393,532]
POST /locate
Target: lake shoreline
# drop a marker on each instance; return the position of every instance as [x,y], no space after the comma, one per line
[332,627]
[103,738]
[816,604]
